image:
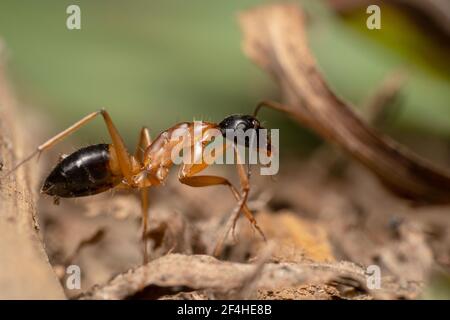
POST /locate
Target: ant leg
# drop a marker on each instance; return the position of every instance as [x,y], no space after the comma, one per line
[119,146]
[123,156]
[144,142]
[206,181]
[144,211]
[244,178]
[186,177]
[52,141]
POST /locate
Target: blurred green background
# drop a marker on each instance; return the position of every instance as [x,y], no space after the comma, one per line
[157,62]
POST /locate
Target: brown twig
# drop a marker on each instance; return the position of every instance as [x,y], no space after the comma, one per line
[274,37]
[377,110]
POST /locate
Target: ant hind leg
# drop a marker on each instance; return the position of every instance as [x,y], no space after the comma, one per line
[119,146]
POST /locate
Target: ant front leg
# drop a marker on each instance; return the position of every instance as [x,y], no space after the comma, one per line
[144,142]
[245,185]
[187,176]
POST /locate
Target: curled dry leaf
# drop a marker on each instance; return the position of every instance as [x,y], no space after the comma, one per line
[274,38]
[178,273]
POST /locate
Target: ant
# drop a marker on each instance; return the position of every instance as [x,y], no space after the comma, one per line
[100,167]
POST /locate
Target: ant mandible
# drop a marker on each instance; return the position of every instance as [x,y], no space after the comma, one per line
[101,167]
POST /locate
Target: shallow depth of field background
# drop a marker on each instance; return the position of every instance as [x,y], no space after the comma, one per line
[158,62]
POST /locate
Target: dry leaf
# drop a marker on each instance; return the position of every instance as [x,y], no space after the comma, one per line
[274,37]
[175,273]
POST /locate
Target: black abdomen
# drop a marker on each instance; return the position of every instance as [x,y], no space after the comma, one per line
[85,172]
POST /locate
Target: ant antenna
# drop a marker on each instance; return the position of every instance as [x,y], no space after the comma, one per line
[275,106]
[258,107]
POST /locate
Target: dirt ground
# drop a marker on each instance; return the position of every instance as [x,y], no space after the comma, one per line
[325,217]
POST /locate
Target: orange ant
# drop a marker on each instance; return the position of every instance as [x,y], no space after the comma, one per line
[101,167]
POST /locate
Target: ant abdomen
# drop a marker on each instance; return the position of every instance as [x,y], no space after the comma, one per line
[85,172]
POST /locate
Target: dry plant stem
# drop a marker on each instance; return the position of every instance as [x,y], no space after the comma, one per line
[25,272]
[274,37]
[377,111]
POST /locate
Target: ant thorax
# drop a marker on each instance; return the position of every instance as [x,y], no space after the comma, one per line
[184,137]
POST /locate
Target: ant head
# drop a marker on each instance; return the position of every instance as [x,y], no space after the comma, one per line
[239,122]
[244,123]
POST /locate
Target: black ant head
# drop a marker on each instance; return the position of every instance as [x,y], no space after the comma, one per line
[246,124]
[239,122]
